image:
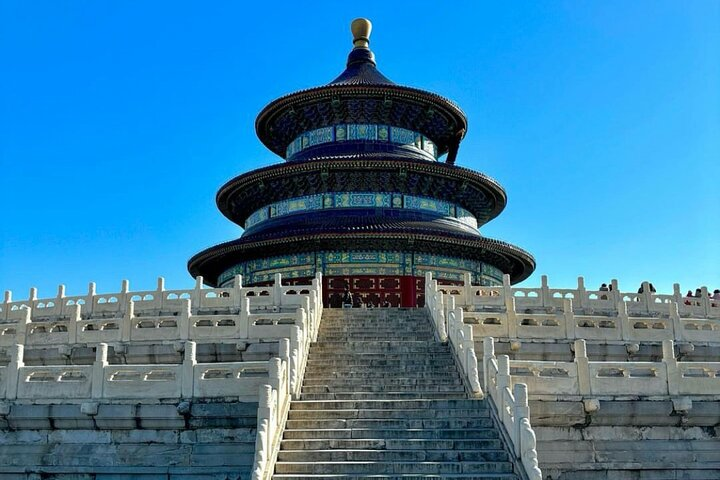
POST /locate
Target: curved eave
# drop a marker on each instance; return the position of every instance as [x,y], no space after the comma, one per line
[211,262]
[443,106]
[479,194]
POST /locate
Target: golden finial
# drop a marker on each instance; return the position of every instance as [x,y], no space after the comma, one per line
[361,28]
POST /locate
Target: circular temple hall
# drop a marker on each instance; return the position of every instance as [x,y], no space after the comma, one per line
[369,195]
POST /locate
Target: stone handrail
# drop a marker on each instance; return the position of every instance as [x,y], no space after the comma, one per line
[584,302]
[668,377]
[617,326]
[513,410]
[160,302]
[104,381]
[454,330]
[273,408]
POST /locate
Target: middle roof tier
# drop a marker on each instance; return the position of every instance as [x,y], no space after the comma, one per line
[462,188]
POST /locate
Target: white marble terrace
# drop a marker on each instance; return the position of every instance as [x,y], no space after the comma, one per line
[579,315]
[290,315]
[466,313]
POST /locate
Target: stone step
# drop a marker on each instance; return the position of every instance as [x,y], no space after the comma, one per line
[477,476]
[420,371]
[379,322]
[375,404]
[393,467]
[377,366]
[387,358]
[391,444]
[372,337]
[381,396]
[379,379]
[392,456]
[315,365]
[374,322]
[382,388]
[384,347]
[414,414]
[389,423]
[409,433]
[384,325]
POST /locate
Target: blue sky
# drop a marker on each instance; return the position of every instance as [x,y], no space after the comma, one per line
[120,120]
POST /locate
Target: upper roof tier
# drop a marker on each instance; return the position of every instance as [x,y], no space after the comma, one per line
[361,111]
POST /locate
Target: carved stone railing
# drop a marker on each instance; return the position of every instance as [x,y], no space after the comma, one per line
[511,402]
[104,381]
[448,322]
[496,313]
[290,314]
[105,310]
[612,302]
[273,408]
[583,377]
[512,408]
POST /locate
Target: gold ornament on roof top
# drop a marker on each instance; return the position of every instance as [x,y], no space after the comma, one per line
[361,28]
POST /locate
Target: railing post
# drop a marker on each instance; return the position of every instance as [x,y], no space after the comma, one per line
[626,330]
[488,355]
[124,294]
[705,301]
[503,376]
[32,297]
[188,370]
[262,442]
[569,319]
[17,361]
[23,325]
[6,310]
[583,367]
[521,411]
[512,318]
[467,289]
[674,378]
[508,294]
[184,319]
[90,298]
[245,318]
[197,295]
[615,296]
[674,313]
[277,290]
[646,297]
[98,372]
[581,293]
[73,319]
[237,291]
[284,354]
[274,365]
[296,347]
[677,293]
[127,322]
[60,294]
[545,292]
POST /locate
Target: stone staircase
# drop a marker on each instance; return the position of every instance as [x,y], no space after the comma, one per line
[382,399]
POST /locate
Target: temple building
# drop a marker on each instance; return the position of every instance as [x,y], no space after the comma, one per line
[255,379]
[369,195]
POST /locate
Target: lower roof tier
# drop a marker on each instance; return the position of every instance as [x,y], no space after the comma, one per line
[479,194]
[215,263]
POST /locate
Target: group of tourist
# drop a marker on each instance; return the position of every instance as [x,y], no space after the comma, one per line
[355,301]
[714,297]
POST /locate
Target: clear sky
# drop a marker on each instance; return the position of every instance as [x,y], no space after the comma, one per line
[120,120]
